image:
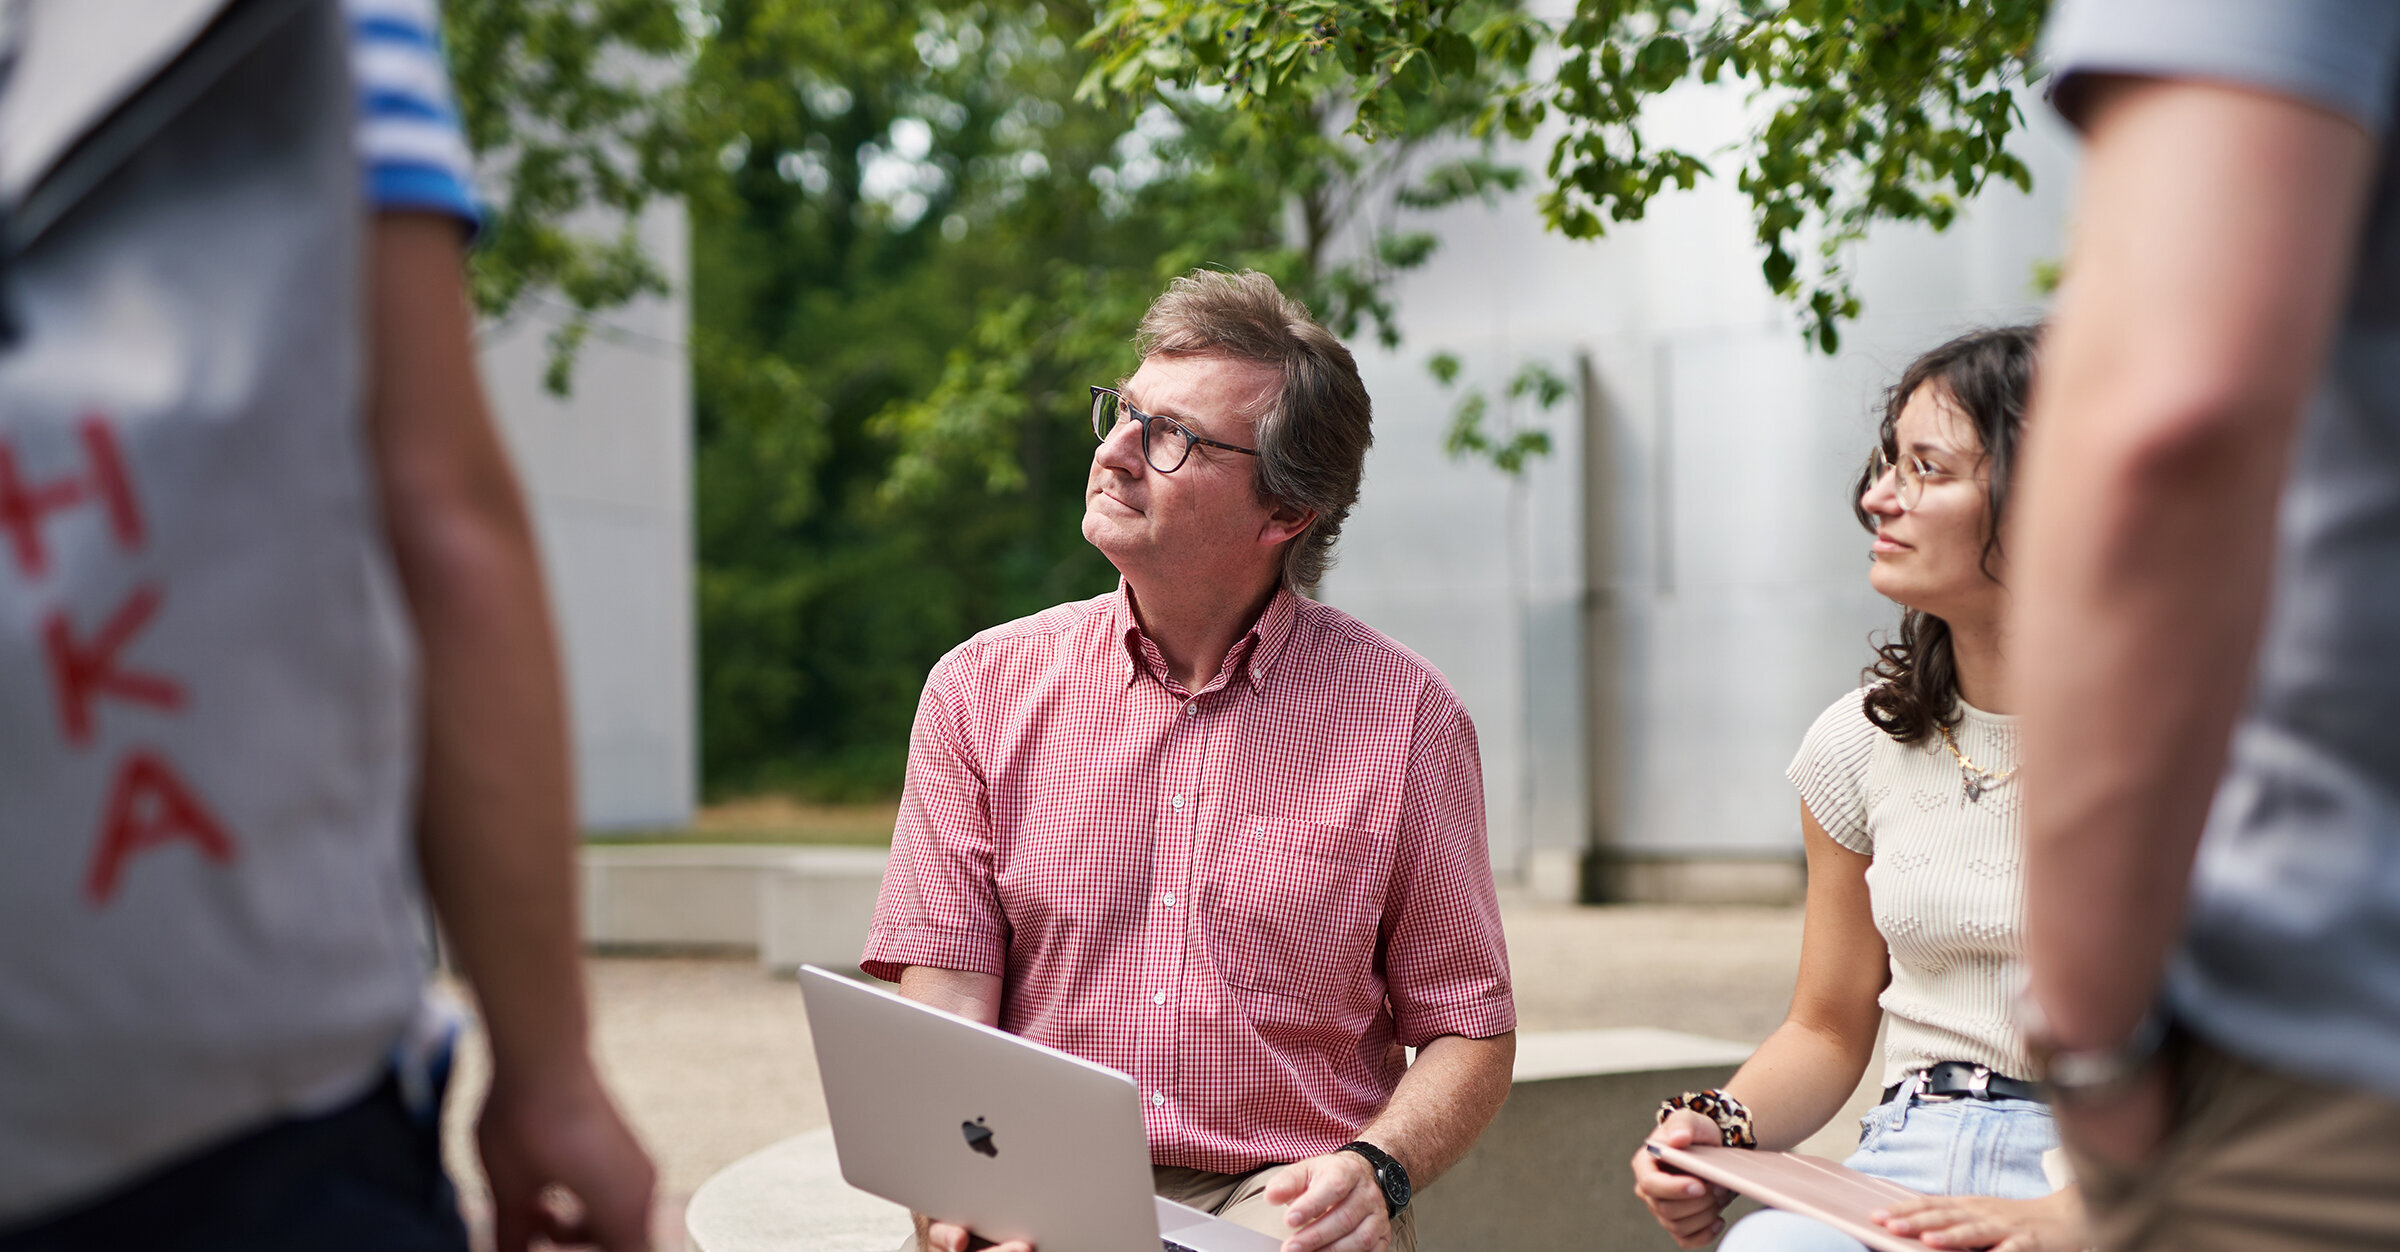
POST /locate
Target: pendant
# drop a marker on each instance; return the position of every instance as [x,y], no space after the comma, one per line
[1973,787]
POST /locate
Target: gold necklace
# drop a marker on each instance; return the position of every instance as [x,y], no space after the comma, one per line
[1974,779]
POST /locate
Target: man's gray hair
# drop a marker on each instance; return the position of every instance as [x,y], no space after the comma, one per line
[1312,442]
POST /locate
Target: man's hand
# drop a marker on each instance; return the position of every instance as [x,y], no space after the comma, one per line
[560,1133]
[1688,1207]
[1332,1203]
[933,1236]
[2053,1223]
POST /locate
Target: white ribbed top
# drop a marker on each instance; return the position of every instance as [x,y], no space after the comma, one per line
[1947,880]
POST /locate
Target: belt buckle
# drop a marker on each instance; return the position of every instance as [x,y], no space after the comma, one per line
[1920,1089]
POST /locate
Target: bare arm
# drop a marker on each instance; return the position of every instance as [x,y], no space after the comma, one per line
[2213,244]
[1439,1109]
[1443,1103]
[1799,1078]
[496,831]
[975,997]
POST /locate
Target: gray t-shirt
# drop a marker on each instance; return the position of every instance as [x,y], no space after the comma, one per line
[2293,953]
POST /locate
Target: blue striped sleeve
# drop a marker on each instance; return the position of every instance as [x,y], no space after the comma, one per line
[412,151]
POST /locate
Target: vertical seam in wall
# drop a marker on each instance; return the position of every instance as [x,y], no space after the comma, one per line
[1662,471]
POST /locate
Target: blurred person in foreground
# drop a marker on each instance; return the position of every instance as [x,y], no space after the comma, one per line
[2210,627]
[275,665]
[1210,832]
[1911,811]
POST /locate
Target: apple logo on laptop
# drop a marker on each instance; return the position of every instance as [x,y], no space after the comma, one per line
[979,1137]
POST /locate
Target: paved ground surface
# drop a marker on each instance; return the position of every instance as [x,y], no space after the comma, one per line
[711,1057]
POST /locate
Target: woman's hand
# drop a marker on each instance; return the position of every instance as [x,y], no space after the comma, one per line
[2053,1223]
[1685,1205]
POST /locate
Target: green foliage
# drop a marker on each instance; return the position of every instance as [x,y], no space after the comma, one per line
[2046,276]
[1874,110]
[1518,443]
[914,248]
[875,172]
[575,109]
[1276,192]
[914,243]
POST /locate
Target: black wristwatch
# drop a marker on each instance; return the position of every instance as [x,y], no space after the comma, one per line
[1388,1175]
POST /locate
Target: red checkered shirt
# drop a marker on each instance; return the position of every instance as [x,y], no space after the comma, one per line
[1248,898]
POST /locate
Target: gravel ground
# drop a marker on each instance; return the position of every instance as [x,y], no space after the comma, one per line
[711,1060]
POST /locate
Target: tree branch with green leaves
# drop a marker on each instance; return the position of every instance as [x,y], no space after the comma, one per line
[576,113]
[1516,442]
[1871,111]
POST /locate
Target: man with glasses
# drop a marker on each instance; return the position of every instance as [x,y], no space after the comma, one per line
[1207,831]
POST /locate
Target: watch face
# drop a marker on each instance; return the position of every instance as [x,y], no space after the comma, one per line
[1390,1178]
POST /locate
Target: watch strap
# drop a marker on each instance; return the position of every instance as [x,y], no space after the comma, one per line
[2070,1075]
[2074,1075]
[1390,1176]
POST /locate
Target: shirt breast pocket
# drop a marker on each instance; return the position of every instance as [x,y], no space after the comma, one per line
[1294,909]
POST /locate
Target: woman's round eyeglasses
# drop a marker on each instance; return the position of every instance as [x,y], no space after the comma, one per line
[1910,476]
[1166,443]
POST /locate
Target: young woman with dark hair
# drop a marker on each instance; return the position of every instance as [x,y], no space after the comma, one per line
[1915,836]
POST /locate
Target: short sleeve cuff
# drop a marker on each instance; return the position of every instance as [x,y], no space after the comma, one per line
[2336,54]
[1489,1015]
[891,949]
[1830,769]
[1837,815]
[423,189]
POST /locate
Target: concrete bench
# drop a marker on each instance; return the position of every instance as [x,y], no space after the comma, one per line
[1551,1172]
[789,905]
[814,908]
[788,1197]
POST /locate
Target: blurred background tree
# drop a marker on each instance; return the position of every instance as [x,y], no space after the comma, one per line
[579,119]
[921,250]
[913,249]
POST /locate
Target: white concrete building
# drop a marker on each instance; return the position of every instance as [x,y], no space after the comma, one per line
[609,473]
[1646,623]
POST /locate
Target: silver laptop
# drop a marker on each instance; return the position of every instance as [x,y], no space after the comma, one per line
[978,1127]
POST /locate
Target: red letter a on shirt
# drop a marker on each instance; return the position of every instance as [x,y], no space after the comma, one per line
[149,806]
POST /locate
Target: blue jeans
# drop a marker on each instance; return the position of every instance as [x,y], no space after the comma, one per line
[1939,1147]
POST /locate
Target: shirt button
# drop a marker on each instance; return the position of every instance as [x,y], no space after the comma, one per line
[1190,709]
[1156,1098]
[1160,999]
[1170,899]
[1177,802]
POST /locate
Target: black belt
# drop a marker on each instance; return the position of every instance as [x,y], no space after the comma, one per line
[1963,1078]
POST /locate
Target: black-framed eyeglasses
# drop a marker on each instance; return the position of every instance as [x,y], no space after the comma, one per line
[1166,443]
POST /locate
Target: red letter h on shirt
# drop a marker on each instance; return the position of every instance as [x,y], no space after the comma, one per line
[24,505]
